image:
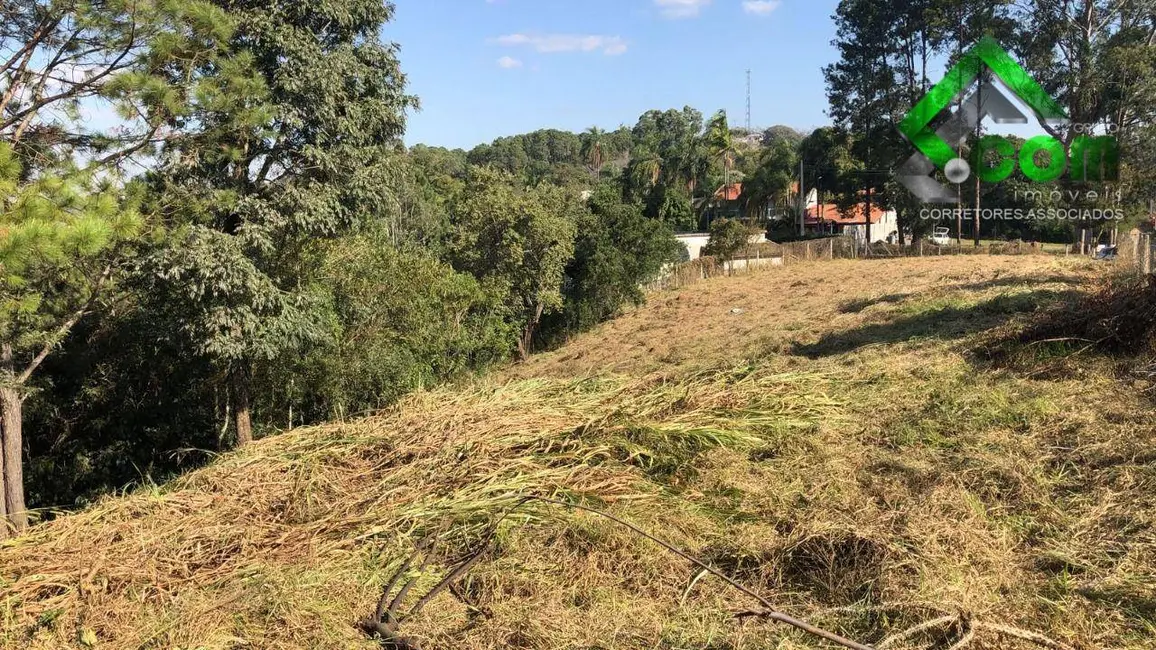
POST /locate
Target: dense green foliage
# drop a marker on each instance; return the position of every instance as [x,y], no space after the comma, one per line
[1095,57]
[617,249]
[285,259]
[727,238]
[516,241]
[406,320]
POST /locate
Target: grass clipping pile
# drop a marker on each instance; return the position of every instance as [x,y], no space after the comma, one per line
[1118,319]
[288,544]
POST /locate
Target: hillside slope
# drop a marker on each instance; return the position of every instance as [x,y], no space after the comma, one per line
[819,432]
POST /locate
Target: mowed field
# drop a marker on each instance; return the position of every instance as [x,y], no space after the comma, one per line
[830,435]
[785,310]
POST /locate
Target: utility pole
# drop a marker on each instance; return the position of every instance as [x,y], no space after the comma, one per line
[978,163]
[867,205]
[802,202]
[959,145]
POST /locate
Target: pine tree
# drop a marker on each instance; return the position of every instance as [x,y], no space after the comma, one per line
[67,222]
[292,146]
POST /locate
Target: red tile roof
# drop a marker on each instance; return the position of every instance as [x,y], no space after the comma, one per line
[829,213]
[729,192]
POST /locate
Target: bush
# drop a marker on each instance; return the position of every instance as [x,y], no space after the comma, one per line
[617,252]
[727,238]
[406,321]
[123,400]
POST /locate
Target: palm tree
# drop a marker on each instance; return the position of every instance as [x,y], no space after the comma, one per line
[718,137]
[691,164]
[772,179]
[646,171]
[593,149]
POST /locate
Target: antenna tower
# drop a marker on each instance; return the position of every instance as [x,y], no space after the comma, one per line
[748,100]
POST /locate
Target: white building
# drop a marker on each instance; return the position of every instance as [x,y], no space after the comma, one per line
[696,241]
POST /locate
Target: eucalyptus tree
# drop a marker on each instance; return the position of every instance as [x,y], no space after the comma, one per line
[84,86]
[293,145]
[885,51]
[861,88]
[1098,59]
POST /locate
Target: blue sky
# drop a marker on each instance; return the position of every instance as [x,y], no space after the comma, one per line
[488,68]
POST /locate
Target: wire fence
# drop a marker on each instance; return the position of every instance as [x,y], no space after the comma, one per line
[770,254]
[1138,249]
[850,248]
[704,268]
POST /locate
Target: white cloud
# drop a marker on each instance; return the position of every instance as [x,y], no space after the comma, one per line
[761,7]
[509,63]
[555,43]
[681,8]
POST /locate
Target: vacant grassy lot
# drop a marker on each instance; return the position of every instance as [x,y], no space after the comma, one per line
[823,433]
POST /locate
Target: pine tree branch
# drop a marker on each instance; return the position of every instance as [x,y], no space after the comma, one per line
[116,65]
[14,81]
[33,42]
[65,328]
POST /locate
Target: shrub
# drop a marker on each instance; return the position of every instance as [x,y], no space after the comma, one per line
[617,252]
[405,321]
[727,238]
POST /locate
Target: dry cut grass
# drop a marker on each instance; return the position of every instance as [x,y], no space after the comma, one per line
[840,453]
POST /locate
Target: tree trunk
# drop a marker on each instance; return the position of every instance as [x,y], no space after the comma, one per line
[977,201]
[5,531]
[241,407]
[12,419]
[526,341]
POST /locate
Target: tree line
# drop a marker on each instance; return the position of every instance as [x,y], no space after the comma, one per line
[211,231]
[1095,57]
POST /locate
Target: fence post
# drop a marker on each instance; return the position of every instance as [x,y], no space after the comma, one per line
[1147,254]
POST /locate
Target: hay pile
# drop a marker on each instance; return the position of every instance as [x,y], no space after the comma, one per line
[1117,317]
[892,493]
[286,543]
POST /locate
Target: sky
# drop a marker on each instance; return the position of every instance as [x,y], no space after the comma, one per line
[490,68]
